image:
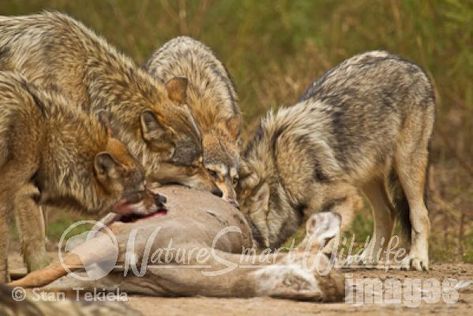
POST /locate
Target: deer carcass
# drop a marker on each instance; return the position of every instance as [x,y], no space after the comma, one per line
[199,245]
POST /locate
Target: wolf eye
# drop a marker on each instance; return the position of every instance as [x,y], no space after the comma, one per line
[235,181]
[213,173]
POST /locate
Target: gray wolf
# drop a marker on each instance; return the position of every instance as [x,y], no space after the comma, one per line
[212,98]
[365,124]
[53,154]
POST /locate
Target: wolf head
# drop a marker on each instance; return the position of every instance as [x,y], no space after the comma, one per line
[253,189]
[202,158]
[169,128]
[265,203]
[173,141]
[121,177]
[221,157]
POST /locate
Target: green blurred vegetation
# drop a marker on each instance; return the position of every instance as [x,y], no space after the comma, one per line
[274,49]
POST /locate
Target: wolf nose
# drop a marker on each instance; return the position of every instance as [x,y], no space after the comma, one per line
[217,192]
[160,200]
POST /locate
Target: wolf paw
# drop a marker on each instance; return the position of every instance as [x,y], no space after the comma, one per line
[413,262]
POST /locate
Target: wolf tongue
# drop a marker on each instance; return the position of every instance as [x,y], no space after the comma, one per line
[160,212]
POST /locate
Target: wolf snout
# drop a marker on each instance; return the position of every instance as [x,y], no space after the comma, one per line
[135,197]
[160,200]
[217,192]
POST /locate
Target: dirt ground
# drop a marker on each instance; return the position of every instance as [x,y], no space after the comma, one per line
[267,306]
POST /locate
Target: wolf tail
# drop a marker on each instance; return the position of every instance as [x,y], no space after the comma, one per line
[401,205]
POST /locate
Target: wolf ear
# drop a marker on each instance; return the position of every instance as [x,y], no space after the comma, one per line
[150,126]
[243,169]
[177,89]
[105,118]
[106,166]
[233,126]
[248,178]
[155,135]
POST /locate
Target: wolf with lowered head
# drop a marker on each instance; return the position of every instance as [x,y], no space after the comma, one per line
[365,124]
[53,154]
[212,98]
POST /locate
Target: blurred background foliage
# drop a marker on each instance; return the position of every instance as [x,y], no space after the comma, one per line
[274,49]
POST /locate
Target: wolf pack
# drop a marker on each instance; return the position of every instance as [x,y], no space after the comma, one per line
[83,127]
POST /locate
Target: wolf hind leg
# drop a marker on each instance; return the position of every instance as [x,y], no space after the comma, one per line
[418,255]
[411,162]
